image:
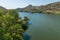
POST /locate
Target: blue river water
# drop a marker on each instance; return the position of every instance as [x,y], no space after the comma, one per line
[43,27]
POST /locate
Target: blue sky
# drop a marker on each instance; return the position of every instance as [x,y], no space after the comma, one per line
[9,4]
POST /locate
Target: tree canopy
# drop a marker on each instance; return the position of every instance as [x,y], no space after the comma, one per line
[10,26]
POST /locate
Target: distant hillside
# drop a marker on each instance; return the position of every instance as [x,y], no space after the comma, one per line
[3,9]
[19,9]
[29,8]
[49,8]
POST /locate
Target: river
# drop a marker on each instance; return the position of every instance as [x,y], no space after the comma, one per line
[43,27]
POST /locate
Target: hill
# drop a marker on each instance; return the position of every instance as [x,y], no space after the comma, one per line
[3,9]
[49,8]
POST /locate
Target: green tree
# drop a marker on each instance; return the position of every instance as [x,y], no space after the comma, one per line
[10,26]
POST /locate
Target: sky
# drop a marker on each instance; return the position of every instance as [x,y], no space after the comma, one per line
[12,4]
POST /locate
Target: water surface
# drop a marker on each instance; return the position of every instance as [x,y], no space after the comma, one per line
[44,26]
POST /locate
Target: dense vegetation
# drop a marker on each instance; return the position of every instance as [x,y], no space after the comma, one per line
[11,26]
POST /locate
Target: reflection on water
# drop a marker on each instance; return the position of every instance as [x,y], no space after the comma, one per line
[44,26]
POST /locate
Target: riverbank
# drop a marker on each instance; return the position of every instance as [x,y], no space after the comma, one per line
[47,12]
[53,12]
